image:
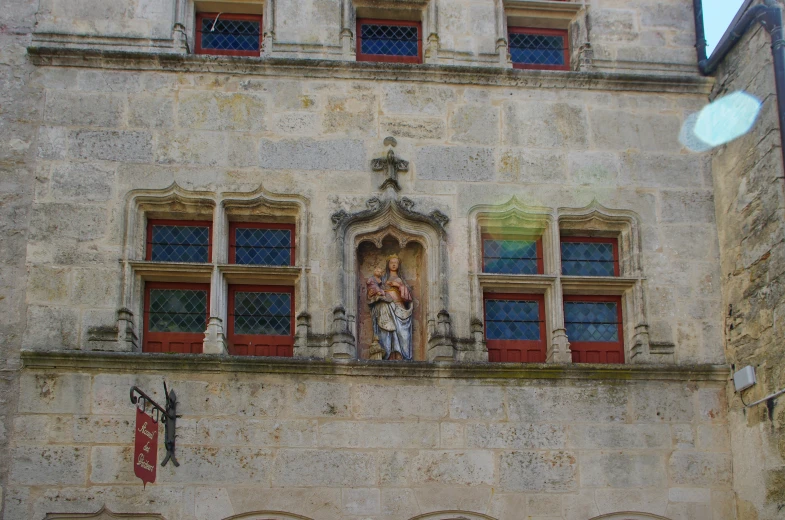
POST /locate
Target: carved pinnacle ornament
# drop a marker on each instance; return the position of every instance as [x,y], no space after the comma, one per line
[392,165]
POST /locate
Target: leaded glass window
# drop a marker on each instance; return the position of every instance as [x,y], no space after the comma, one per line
[510,256]
[387,40]
[262,313]
[589,321]
[538,48]
[229,34]
[262,246]
[588,258]
[177,310]
[512,319]
[178,242]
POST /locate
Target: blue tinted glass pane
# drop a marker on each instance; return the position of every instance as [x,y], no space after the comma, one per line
[512,319]
[177,310]
[230,35]
[180,243]
[591,321]
[263,313]
[510,256]
[587,258]
[537,49]
[263,246]
[389,40]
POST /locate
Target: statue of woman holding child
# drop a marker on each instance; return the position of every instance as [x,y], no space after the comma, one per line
[390,300]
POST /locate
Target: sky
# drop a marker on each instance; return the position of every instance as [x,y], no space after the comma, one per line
[717,15]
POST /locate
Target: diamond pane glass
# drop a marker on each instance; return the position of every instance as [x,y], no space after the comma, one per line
[177,310]
[591,321]
[587,258]
[512,319]
[510,256]
[180,243]
[388,40]
[262,313]
[537,49]
[263,246]
[230,35]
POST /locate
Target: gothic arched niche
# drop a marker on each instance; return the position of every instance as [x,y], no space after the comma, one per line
[374,251]
[453,515]
[267,515]
[629,515]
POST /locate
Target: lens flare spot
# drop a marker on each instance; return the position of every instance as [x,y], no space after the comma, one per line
[722,121]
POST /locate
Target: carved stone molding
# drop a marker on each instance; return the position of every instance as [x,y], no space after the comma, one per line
[400,209]
[103,514]
[453,515]
[267,515]
[629,515]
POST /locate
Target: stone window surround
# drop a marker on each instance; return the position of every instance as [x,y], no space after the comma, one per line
[550,224]
[201,14]
[220,209]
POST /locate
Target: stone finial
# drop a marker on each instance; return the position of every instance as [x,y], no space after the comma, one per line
[391,164]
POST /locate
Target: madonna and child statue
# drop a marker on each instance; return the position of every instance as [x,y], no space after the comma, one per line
[390,302]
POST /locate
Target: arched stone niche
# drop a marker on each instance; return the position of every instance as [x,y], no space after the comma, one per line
[388,225]
[453,515]
[629,515]
[267,515]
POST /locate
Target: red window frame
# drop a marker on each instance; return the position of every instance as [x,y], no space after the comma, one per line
[227,16]
[598,351]
[521,350]
[195,223]
[545,32]
[258,225]
[257,344]
[180,342]
[497,236]
[603,240]
[360,56]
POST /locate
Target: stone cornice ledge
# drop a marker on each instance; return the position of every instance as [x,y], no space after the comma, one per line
[141,362]
[334,69]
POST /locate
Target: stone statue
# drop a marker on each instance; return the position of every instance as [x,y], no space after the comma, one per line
[390,299]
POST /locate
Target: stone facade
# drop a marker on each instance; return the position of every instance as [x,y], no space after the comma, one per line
[112,121]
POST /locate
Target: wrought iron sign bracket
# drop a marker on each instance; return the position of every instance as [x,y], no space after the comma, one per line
[169,415]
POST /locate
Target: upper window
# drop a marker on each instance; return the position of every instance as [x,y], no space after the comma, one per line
[539,48]
[228,34]
[389,40]
[589,256]
[179,241]
[511,255]
[253,243]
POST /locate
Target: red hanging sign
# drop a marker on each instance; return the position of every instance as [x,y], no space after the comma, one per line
[145,447]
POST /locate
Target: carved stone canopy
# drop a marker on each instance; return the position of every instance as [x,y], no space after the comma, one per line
[403,208]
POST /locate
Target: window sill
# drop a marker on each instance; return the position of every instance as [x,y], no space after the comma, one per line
[269,274]
[516,282]
[565,6]
[172,271]
[611,285]
[168,363]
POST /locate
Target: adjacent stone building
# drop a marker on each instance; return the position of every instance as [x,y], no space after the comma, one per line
[199,192]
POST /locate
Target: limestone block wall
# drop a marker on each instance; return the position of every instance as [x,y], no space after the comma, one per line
[565,145]
[355,441]
[748,176]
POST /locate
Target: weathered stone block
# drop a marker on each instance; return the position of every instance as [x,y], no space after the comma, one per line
[324,468]
[416,99]
[595,168]
[320,399]
[297,123]
[352,115]
[699,495]
[50,465]
[102,429]
[361,501]
[455,163]
[670,402]
[52,142]
[531,166]
[445,498]
[594,404]
[671,15]
[622,470]
[413,128]
[211,465]
[712,404]
[452,435]
[54,393]
[47,284]
[29,429]
[653,501]
[693,206]
[475,124]
[551,471]
[82,109]
[350,434]
[477,403]
[221,111]
[308,154]
[404,402]
[619,130]
[622,436]
[398,503]
[518,436]
[545,125]
[51,328]
[121,146]
[114,464]
[256,432]
[614,25]
[469,468]
[150,111]
[312,502]
[665,170]
[700,469]
[96,287]
[190,147]
[82,182]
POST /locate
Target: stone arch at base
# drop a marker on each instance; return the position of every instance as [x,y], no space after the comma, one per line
[452,515]
[629,515]
[267,515]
